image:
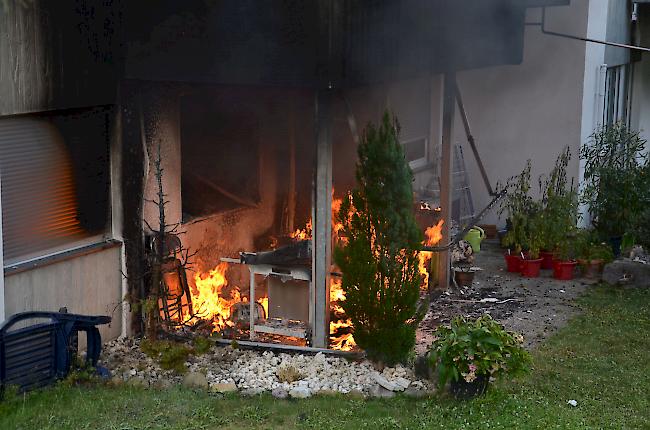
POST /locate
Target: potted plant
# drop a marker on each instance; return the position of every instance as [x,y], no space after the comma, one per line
[531,262]
[615,181]
[593,254]
[464,275]
[559,208]
[467,354]
[517,204]
[565,262]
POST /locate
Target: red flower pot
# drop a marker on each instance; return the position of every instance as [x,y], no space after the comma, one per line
[547,260]
[563,270]
[530,268]
[513,262]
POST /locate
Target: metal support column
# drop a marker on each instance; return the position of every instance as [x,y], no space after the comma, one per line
[322,221]
[251,304]
[448,107]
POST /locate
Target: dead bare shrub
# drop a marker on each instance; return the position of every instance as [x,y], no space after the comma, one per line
[288,374]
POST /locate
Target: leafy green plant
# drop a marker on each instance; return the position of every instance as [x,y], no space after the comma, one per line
[559,204]
[379,258]
[533,235]
[202,345]
[615,179]
[589,246]
[518,205]
[642,229]
[82,373]
[170,355]
[601,251]
[468,349]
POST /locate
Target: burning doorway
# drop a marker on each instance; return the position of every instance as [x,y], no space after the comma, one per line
[252,181]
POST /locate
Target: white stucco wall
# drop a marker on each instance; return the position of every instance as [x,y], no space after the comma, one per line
[640,118]
[532,110]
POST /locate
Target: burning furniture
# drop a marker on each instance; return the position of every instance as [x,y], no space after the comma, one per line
[290,291]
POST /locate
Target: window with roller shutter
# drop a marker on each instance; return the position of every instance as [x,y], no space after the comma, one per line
[54,174]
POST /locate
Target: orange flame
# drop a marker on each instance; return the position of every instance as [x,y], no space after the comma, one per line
[433,235]
[210,301]
[343,341]
[302,234]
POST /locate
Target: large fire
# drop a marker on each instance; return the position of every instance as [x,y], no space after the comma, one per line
[213,300]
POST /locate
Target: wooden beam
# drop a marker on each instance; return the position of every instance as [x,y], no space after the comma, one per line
[448,108]
[322,222]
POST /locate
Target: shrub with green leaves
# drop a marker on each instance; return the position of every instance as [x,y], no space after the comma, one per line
[379,257]
[559,204]
[468,349]
[615,179]
[519,207]
[170,355]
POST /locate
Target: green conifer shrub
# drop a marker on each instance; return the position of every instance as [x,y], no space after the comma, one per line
[379,258]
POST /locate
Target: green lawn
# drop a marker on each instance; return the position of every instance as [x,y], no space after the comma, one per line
[602,360]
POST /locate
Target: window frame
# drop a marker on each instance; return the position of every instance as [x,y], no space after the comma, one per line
[418,163]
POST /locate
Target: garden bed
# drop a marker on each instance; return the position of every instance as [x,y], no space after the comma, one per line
[250,372]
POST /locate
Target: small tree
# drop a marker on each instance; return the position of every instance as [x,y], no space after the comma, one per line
[165,250]
[379,258]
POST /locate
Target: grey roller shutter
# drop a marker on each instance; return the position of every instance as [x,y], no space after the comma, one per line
[39,199]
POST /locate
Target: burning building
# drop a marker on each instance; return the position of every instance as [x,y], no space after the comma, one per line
[255,109]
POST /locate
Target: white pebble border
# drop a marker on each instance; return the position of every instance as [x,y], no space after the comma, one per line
[254,372]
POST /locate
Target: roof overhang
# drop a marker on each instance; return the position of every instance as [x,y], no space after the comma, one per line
[314,43]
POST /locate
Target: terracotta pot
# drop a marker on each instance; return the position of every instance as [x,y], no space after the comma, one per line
[464,278]
[547,260]
[592,269]
[563,270]
[463,390]
[530,268]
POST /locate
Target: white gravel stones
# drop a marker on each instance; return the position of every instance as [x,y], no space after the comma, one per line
[402,383]
[299,392]
[385,383]
[253,372]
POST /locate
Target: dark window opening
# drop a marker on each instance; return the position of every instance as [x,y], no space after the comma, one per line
[220,138]
[617,95]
